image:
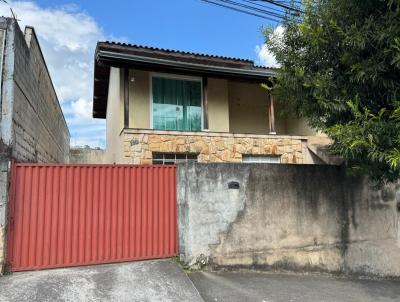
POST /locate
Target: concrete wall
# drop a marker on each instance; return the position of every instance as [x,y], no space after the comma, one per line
[87,155]
[40,130]
[290,217]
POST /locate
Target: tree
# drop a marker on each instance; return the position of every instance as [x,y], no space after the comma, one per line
[340,68]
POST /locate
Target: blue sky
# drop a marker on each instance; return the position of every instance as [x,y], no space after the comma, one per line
[68,31]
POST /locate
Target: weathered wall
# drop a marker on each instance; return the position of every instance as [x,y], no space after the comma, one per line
[139,145]
[41,133]
[3,206]
[296,217]
[87,155]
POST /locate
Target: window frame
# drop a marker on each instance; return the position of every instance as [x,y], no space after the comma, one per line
[252,156]
[167,161]
[175,77]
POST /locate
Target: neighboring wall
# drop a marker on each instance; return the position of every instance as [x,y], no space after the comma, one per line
[40,130]
[87,155]
[290,217]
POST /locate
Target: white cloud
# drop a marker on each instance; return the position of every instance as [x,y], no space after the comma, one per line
[82,108]
[68,39]
[265,57]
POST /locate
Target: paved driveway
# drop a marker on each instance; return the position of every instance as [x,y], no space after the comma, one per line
[164,280]
[159,280]
[264,287]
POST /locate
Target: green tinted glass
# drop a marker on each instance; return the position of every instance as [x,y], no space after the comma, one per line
[176,104]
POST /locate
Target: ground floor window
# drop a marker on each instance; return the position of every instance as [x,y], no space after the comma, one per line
[261,159]
[173,158]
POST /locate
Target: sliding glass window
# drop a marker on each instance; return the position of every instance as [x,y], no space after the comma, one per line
[176,104]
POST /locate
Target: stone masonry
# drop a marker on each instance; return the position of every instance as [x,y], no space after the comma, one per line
[211,147]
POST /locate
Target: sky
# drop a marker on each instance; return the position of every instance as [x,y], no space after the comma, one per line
[69,30]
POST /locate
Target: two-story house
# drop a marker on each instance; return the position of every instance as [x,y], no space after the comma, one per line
[164,106]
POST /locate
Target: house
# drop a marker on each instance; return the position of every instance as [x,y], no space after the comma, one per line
[32,125]
[164,106]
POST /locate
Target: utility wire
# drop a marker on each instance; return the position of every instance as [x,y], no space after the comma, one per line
[283,5]
[263,11]
[242,11]
[272,10]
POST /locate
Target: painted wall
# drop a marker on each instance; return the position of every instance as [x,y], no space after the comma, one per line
[218,105]
[248,111]
[139,99]
[115,115]
[291,217]
[233,106]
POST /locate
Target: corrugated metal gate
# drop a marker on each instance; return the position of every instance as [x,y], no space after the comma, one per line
[70,215]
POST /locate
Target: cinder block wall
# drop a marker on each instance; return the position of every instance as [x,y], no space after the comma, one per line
[287,217]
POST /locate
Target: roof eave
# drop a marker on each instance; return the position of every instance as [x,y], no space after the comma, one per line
[110,56]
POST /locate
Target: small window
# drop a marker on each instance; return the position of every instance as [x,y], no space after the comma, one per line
[173,158]
[261,159]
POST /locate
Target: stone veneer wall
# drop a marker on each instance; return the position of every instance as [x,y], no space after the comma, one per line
[210,146]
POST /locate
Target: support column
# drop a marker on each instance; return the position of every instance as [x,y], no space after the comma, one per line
[205,103]
[271,114]
[126,98]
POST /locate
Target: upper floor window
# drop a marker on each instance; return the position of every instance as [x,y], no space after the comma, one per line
[176,104]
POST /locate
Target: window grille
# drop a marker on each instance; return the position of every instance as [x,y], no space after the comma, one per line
[173,158]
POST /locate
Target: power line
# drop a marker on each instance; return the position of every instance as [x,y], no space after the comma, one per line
[278,13]
[241,10]
[263,11]
[283,5]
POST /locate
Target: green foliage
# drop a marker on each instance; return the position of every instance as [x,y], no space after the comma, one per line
[340,68]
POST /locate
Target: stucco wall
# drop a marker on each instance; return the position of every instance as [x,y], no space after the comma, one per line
[218,105]
[248,111]
[292,217]
[139,99]
[114,122]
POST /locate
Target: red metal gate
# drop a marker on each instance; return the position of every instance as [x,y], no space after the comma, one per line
[70,215]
